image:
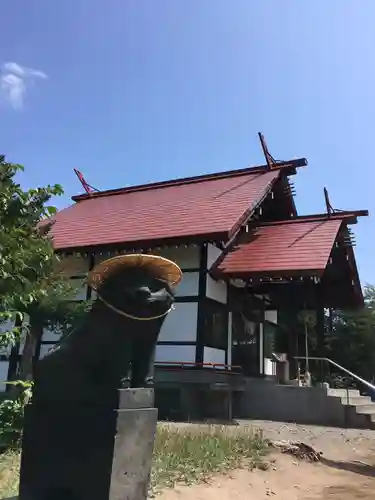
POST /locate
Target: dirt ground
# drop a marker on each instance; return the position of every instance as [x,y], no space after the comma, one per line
[346,472]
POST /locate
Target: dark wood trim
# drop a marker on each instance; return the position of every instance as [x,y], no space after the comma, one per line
[199,352]
[38,347]
[274,276]
[83,276]
[186,298]
[178,343]
[181,299]
[91,266]
[14,358]
[145,245]
[161,342]
[261,360]
[226,349]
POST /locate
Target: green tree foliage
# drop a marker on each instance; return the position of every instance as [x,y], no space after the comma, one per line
[31,286]
[30,282]
[351,339]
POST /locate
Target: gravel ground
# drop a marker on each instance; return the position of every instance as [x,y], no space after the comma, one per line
[335,443]
[346,472]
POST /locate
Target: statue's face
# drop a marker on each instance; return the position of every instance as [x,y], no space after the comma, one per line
[138,292]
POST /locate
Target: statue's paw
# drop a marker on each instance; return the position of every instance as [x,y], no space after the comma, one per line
[125,383]
[149,382]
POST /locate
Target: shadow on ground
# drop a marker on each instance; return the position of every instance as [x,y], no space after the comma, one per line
[356,467]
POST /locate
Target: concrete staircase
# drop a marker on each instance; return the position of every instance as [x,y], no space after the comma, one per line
[359,410]
[265,400]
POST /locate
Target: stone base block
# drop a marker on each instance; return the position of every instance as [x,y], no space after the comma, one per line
[89,452]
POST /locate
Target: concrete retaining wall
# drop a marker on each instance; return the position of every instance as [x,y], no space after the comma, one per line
[265,400]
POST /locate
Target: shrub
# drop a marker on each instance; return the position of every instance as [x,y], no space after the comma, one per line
[12,412]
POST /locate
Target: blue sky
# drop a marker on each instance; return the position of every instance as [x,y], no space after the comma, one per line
[142,90]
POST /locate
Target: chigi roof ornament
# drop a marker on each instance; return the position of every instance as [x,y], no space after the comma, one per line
[89,189]
[273,164]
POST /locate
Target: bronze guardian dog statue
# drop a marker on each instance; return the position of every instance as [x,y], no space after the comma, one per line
[115,346]
[77,416]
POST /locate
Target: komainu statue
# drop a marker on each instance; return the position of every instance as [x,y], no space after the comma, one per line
[89,430]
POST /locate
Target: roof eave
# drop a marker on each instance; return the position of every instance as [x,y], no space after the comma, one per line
[145,244]
[269,274]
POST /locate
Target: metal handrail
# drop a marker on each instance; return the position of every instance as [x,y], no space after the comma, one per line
[356,377]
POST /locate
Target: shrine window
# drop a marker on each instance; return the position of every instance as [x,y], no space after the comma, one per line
[215,324]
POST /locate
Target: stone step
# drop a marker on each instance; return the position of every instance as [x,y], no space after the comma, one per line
[355,400]
[366,409]
[343,392]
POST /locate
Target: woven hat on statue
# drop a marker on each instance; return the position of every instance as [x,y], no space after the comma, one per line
[163,269]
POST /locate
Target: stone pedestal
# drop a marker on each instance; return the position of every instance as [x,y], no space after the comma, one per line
[98,450]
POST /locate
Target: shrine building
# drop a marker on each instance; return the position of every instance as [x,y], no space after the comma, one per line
[247,258]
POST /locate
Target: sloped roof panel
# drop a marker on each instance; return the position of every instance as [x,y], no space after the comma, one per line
[283,247]
[205,207]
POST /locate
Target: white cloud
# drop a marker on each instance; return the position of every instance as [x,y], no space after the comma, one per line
[15,80]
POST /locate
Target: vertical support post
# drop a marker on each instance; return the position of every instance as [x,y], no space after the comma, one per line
[262,339]
[320,330]
[230,404]
[199,352]
[261,348]
[229,347]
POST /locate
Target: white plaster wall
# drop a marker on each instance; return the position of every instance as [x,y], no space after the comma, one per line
[271,316]
[180,325]
[216,291]
[44,349]
[50,336]
[7,325]
[177,353]
[269,367]
[23,340]
[75,265]
[213,355]
[213,253]
[186,258]
[189,285]
[4,365]
[269,364]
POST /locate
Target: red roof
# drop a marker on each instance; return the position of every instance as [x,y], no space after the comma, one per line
[283,247]
[206,206]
